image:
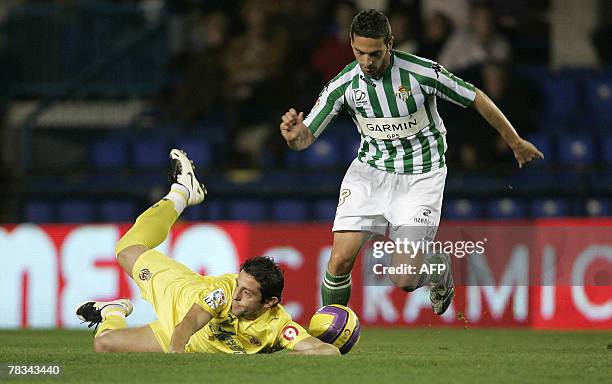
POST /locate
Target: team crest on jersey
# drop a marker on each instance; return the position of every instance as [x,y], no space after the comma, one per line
[144,274]
[402,93]
[215,299]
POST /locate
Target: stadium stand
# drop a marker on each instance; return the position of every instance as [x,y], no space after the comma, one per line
[101,96]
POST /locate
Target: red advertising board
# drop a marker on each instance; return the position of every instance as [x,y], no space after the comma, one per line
[546,275]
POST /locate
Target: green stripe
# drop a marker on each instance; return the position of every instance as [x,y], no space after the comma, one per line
[377,155]
[327,109]
[410,103]
[437,134]
[408,161]
[427,64]
[389,166]
[391,99]
[344,71]
[426,152]
[374,102]
[443,89]
[365,148]
[413,59]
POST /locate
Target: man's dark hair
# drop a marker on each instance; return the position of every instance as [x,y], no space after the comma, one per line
[373,24]
[268,274]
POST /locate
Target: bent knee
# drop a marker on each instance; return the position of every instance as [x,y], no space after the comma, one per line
[405,283]
[127,257]
[340,264]
[102,343]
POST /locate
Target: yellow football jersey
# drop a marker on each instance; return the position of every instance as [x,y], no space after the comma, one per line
[272,331]
[172,289]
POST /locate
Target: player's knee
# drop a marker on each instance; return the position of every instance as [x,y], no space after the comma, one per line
[340,264]
[127,257]
[404,282]
[103,343]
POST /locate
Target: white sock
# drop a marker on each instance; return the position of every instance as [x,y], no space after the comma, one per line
[179,195]
[113,310]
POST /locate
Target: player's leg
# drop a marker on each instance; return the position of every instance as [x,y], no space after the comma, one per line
[419,217]
[139,339]
[363,196]
[336,285]
[112,334]
[152,226]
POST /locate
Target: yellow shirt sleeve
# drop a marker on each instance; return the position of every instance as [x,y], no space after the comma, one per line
[215,296]
[290,334]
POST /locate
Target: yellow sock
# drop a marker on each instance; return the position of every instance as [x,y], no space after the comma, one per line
[112,321]
[152,226]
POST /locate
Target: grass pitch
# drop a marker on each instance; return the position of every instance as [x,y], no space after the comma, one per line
[382,356]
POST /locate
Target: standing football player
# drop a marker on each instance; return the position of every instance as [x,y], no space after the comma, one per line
[397,181]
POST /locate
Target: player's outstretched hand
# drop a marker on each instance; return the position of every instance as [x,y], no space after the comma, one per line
[525,152]
[291,124]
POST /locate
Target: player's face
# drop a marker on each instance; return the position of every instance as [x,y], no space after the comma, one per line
[373,55]
[246,301]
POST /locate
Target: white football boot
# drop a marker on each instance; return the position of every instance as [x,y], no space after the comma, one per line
[183,172]
[441,294]
[95,311]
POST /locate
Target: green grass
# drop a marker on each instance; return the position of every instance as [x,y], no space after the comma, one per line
[383,356]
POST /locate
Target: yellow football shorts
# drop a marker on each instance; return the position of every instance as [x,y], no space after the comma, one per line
[160,280]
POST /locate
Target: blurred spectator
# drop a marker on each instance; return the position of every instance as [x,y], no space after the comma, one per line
[403,38]
[198,92]
[457,11]
[437,30]
[335,51]
[479,142]
[253,63]
[603,43]
[479,44]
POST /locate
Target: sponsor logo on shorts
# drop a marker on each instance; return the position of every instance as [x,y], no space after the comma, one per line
[424,217]
[422,220]
[290,333]
[344,194]
[215,299]
[144,274]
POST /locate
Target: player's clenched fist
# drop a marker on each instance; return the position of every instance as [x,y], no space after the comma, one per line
[291,124]
[525,152]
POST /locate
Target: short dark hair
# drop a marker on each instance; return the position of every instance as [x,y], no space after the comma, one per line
[268,274]
[373,24]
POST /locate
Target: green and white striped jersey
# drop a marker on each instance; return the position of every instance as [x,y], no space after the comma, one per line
[401,129]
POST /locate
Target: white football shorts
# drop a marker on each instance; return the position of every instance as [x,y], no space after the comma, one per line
[398,205]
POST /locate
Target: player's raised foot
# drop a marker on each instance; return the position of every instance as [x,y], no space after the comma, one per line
[183,172]
[441,295]
[95,311]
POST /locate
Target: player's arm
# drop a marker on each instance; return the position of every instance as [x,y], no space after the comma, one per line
[194,320]
[314,346]
[300,132]
[524,151]
[294,131]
